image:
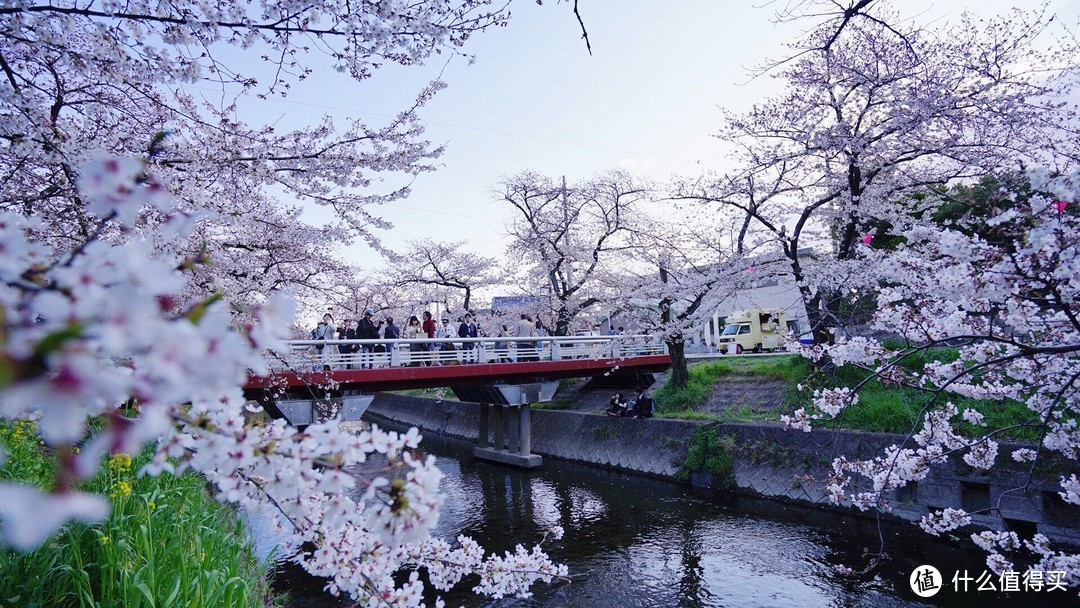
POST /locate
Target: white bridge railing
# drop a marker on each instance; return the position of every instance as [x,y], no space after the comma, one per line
[362,354]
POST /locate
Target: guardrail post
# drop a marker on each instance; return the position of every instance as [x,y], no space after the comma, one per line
[556,355]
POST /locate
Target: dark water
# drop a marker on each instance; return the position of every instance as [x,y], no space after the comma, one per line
[632,541]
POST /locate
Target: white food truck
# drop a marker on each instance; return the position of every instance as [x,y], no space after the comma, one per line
[754,329]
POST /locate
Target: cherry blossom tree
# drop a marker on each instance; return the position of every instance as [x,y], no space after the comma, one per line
[90,330]
[1011,304]
[164,82]
[881,110]
[566,237]
[442,264]
[679,267]
[129,195]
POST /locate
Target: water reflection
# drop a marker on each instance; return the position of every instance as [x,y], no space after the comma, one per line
[639,542]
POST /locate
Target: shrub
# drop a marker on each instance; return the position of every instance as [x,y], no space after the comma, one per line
[706,451]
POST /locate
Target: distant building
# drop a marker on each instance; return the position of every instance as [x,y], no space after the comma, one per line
[518,304]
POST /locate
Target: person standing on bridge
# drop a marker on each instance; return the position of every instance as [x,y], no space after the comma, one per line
[368,330]
[443,333]
[429,328]
[467,329]
[524,328]
[539,332]
[391,332]
[324,331]
[502,347]
[414,331]
[347,332]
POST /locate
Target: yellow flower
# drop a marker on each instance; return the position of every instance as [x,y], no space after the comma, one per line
[120,488]
[120,463]
[152,506]
[104,540]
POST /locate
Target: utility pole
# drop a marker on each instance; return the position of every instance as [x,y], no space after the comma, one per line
[566,236]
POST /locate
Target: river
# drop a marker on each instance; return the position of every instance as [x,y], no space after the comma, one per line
[632,541]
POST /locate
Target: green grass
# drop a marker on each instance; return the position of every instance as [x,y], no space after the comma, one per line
[672,402]
[708,452]
[788,368]
[564,395]
[428,393]
[166,543]
[886,409]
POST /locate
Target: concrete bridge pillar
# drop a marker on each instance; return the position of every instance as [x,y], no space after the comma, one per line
[500,428]
[512,430]
[525,430]
[506,420]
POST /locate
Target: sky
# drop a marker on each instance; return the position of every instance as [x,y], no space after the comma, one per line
[648,100]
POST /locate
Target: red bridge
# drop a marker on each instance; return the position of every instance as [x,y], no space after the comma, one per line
[384,365]
[335,377]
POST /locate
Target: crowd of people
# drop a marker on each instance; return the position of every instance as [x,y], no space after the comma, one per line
[426,328]
[423,328]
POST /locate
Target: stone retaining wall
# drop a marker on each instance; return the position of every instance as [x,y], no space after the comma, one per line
[650,447]
[767,461]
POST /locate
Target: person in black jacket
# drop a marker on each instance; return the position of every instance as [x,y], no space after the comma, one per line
[643,406]
[347,332]
[367,330]
[467,329]
[618,406]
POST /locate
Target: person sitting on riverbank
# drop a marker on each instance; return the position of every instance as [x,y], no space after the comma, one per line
[643,406]
[618,406]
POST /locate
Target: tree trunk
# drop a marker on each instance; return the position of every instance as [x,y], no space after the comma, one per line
[819,324]
[562,323]
[680,374]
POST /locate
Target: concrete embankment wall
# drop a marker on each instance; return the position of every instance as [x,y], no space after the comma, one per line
[769,461]
[649,447]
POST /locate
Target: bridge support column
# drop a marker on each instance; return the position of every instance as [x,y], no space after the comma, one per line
[525,430]
[484,436]
[513,428]
[513,438]
[500,428]
[510,422]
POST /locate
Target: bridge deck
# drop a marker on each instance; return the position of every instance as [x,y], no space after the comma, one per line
[400,378]
[407,364]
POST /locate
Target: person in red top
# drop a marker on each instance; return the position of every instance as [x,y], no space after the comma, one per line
[429,327]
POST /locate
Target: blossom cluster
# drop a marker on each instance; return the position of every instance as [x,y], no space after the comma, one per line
[131,77]
[1011,304]
[102,331]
